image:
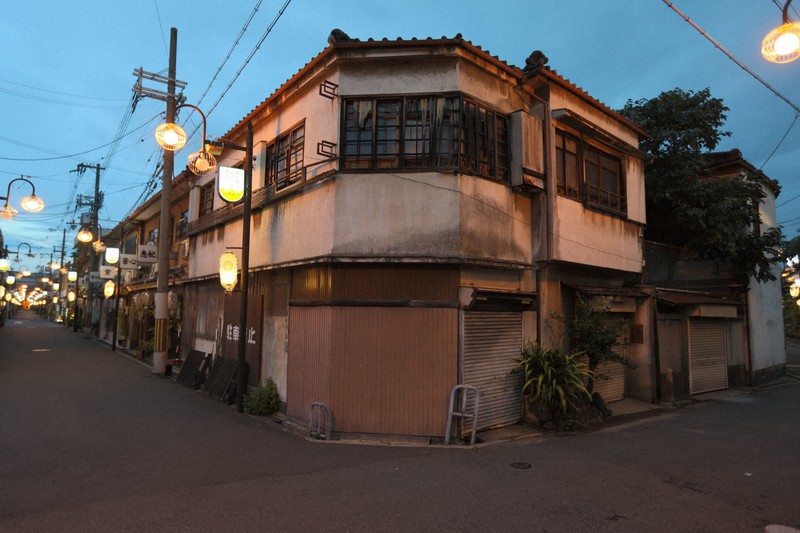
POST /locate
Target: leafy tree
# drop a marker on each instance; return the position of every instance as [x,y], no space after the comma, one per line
[710,218]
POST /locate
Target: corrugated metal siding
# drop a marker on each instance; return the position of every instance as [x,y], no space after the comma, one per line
[308,366]
[611,385]
[709,370]
[491,348]
[393,368]
[610,382]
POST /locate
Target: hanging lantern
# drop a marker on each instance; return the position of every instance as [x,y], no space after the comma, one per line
[72,275]
[201,162]
[2,290]
[55,299]
[230,184]
[794,290]
[109,288]
[71,296]
[10,280]
[782,45]
[5,264]
[112,255]
[228,271]
[84,235]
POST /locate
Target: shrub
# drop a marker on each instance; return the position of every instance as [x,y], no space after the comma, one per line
[554,380]
[263,400]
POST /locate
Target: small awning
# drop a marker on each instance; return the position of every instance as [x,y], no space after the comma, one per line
[593,290]
[581,124]
[683,298]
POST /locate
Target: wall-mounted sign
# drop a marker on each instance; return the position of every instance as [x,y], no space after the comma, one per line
[230,184]
[128,261]
[147,254]
[108,272]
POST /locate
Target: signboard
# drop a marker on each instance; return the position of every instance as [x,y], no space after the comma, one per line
[233,333]
[94,277]
[230,184]
[128,261]
[147,254]
[108,272]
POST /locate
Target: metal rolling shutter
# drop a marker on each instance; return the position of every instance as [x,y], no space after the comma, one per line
[611,385]
[709,370]
[491,348]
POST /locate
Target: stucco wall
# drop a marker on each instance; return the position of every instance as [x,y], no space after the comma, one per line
[593,238]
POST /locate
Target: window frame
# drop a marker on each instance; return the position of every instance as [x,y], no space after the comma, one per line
[285,157]
[205,200]
[595,195]
[447,131]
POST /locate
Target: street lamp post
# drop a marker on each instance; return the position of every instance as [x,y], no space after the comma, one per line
[172,137]
[31,203]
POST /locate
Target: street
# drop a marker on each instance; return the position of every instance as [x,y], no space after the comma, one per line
[92,440]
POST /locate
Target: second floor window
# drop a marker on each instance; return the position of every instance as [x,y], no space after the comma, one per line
[206,198]
[588,174]
[425,132]
[285,158]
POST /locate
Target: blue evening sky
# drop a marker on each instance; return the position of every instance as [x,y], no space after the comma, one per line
[65,85]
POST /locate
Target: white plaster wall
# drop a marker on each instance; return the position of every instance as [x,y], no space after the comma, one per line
[592,238]
[764,300]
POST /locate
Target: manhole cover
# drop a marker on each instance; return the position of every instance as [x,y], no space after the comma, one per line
[521,466]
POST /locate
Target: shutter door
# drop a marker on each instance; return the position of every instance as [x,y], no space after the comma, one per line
[709,370]
[491,348]
[610,382]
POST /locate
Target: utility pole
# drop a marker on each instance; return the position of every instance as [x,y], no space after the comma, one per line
[93,256]
[162,283]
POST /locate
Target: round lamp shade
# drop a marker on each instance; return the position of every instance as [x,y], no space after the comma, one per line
[782,44]
[84,235]
[170,136]
[202,162]
[32,203]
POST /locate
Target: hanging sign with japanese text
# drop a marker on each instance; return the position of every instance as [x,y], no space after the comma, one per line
[147,254]
[108,272]
[233,333]
[128,261]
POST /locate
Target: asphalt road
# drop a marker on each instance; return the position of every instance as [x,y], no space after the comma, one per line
[90,440]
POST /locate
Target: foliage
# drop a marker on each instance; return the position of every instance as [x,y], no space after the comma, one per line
[263,400]
[791,312]
[594,333]
[554,380]
[710,219]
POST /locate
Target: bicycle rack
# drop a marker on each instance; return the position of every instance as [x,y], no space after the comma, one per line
[316,427]
[463,412]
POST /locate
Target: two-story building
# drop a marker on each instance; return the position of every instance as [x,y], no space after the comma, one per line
[420,207]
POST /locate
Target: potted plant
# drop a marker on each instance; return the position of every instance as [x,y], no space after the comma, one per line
[553,385]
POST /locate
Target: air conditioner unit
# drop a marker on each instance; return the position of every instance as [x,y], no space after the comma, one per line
[527,150]
[185,248]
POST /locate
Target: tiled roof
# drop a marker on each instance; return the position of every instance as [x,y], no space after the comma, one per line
[550,74]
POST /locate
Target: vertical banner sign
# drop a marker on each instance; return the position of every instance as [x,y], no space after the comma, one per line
[233,333]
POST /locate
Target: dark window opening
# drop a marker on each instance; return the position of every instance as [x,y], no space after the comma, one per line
[425,132]
[586,173]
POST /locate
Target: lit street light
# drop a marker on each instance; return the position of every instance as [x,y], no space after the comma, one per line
[782,45]
[31,203]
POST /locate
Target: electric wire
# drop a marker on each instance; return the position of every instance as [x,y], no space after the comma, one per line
[79,153]
[73,95]
[732,57]
[250,57]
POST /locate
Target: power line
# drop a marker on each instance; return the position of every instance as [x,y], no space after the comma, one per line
[79,153]
[732,57]
[252,53]
[63,93]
